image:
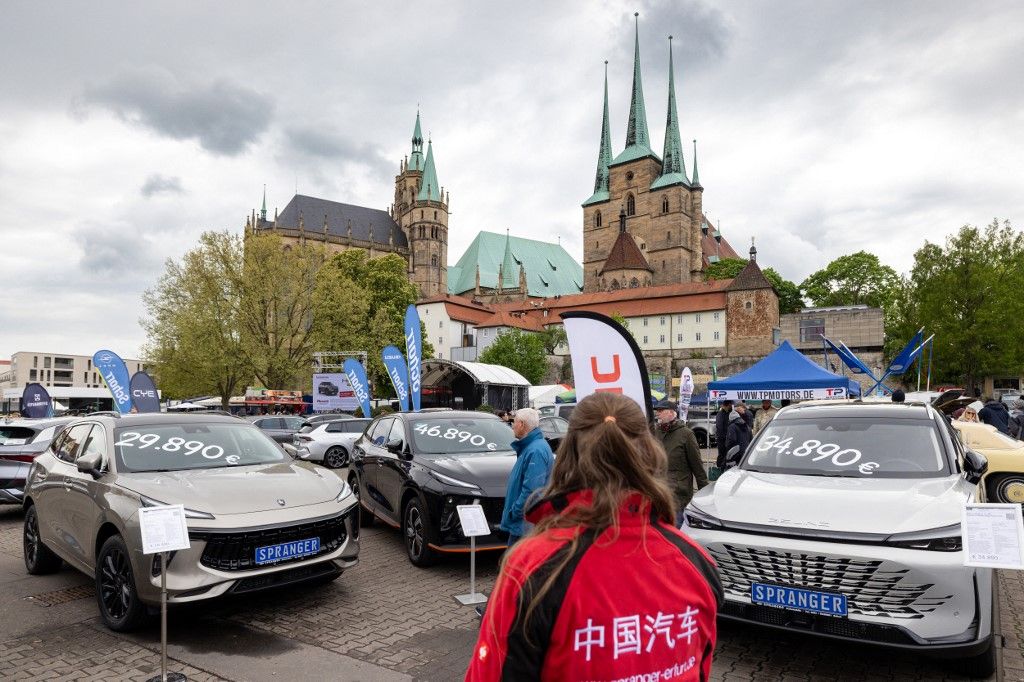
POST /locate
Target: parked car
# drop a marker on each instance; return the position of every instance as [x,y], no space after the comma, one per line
[256,519]
[326,417]
[1004,480]
[280,428]
[563,410]
[844,521]
[554,430]
[328,442]
[21,441]
[411,470]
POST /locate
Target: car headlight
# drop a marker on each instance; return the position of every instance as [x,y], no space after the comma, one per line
[346,490]
[945,539]
[448,480]
[695,518]
[189,513]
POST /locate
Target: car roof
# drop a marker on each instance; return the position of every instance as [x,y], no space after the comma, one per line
[444,414]
[132,420]
[42,423]
[856,408]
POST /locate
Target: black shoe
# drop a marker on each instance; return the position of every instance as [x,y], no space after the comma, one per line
[480,611]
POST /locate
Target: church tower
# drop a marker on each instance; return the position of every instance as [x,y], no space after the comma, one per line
[421,210]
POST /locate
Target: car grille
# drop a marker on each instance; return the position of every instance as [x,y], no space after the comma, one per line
[236,551]
[872,588]
[824,625]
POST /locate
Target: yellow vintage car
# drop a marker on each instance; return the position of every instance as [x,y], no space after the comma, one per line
[1004,481]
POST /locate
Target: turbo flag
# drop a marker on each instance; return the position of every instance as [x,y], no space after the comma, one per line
[115,374]
[35,402]
[394,363]
[902,362]
[414,353]
[357,378]
[605,357]
[144,393]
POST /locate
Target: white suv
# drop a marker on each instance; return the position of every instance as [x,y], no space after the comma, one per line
[844,521]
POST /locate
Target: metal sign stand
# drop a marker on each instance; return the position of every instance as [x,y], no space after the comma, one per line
[473,522]
[163,530]
[164,676]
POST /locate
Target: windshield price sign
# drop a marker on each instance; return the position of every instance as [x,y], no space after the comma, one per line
[819,451]
[176,444]
[993,536]
[450,433]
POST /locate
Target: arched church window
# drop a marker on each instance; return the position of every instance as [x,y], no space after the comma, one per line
[433,260]
[634,283]
[435,215]
[668,236]
[615,284]
[630,205]
[423,231]
[421,214]
[664,204]
[597,219]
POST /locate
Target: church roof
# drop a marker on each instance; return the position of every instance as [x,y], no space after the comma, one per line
[750,277]
[713,245]
[550,270]
[504,318]
[625,255]
[339,217]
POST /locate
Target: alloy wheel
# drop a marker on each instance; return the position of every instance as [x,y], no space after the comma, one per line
[31,538]
[335,458]
[414,530]
[115,584]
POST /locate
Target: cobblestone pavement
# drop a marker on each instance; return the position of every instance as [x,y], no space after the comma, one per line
[383,613]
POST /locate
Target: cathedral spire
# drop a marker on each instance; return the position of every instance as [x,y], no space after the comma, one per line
[673,169]
[507,272]
[604,154]
[696,177]
[263,211]
[638,141]
[429,189]
[416,158]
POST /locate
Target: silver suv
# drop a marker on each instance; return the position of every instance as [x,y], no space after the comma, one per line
[256,518]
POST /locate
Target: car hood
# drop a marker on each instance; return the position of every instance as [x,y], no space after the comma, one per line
[844,505]
[238,490]
[489,471]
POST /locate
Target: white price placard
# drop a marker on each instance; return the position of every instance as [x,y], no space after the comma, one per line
[993,536]
[473,520]
[163,529]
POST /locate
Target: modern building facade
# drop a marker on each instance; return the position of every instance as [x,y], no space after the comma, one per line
[860,327]
[72,380]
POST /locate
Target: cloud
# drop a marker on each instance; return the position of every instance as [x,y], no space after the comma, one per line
[116,249]
[161,184]
[323,143]
[223,117]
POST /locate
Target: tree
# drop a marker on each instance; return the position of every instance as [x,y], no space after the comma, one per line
[518,350]
[790,300]
[853,279]
[192,322]
[553,337]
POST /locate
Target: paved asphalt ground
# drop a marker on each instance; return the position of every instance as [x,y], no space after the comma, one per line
[383,620]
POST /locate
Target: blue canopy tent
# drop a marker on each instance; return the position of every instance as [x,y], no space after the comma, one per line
[785,374]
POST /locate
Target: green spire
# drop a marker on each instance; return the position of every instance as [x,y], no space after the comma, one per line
[696,178]
[509,276]
[638,143]
[429,189]
[416,158]
[604,156]
[673,169]
[263,211]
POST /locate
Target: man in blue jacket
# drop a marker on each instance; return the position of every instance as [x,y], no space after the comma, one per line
[530,474]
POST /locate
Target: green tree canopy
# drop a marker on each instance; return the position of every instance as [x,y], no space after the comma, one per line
[518,350]
[853,279]
[790,300]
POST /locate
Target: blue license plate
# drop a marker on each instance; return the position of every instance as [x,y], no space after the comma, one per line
[810,601]
[287,550]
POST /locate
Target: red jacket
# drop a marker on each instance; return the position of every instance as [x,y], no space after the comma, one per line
[632,608]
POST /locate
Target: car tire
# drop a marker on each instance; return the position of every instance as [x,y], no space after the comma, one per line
[980,666]
[336,457]
[1006,488]
[414,532]
[116,595]
[39,559]
[365,515]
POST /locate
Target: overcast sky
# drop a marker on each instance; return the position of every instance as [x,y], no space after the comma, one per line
[127,128]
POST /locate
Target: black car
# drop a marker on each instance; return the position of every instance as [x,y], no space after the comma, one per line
[21,440]
[411,471]
[281,428]
[327,388]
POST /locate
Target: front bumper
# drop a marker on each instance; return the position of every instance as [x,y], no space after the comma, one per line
[920,600]
[449,529]
[12,481]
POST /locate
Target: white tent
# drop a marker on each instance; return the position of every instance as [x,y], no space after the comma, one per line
[184,407]
[545,395]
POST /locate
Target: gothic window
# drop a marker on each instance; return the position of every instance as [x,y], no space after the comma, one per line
[615,284]
[421,214]
[423,231]
[668,236]
[634,283]
[435,215]
[664,204]
[433,260]
[597,245]
[662,265]
[629,176]
[597,219]
[630,205]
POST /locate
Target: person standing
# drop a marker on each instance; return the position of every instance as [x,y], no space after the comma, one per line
[994,413]
[765,415]
[532,469]
[745,412]
[684,462]
[605,586]
[721,430]
[739,433]
[1016,423]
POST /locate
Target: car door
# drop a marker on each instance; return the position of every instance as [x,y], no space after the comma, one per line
[61,476]
[81,510]
[373,451]
[47,489]
[393,470]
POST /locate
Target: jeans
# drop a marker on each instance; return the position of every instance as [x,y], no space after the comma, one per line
[513,539]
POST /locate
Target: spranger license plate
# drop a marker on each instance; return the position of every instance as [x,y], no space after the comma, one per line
[797,599]
[287,550]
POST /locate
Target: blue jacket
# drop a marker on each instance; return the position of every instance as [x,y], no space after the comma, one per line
[531,473]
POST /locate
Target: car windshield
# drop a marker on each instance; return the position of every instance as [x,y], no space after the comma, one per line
[465,434]
[849,447]
[177,447]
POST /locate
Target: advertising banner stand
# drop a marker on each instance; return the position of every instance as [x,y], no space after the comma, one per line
[474,523]
[164,530]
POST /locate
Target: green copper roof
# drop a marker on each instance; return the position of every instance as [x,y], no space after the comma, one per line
[604,155]
[638,142]
[550,270]
[696,177]
[509,266]
[429,189]
[416,158]
[673,169]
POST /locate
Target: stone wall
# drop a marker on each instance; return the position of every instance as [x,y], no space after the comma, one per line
[752,315]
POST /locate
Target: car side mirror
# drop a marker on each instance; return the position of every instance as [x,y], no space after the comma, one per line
[975,466]
[734,455]
[89,463]
[395,446]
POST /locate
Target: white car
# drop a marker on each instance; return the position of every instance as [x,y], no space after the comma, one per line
[329,442]
[844,521]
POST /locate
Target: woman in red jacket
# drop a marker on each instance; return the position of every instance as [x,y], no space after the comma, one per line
[605,587]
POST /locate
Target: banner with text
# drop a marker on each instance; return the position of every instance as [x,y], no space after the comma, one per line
[394,363]
[780,394]
[115,374]
[414,354]
[144,394]
[332,391]
[685,392]
[356,375]
[35,402]
[605,357]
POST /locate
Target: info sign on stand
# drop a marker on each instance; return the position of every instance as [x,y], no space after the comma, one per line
[163,530]
[993,536]
[474,523]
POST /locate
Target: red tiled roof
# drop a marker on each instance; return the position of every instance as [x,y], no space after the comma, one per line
[460,309]
[625,255]
[709,246]
[507,318]
[750,277]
